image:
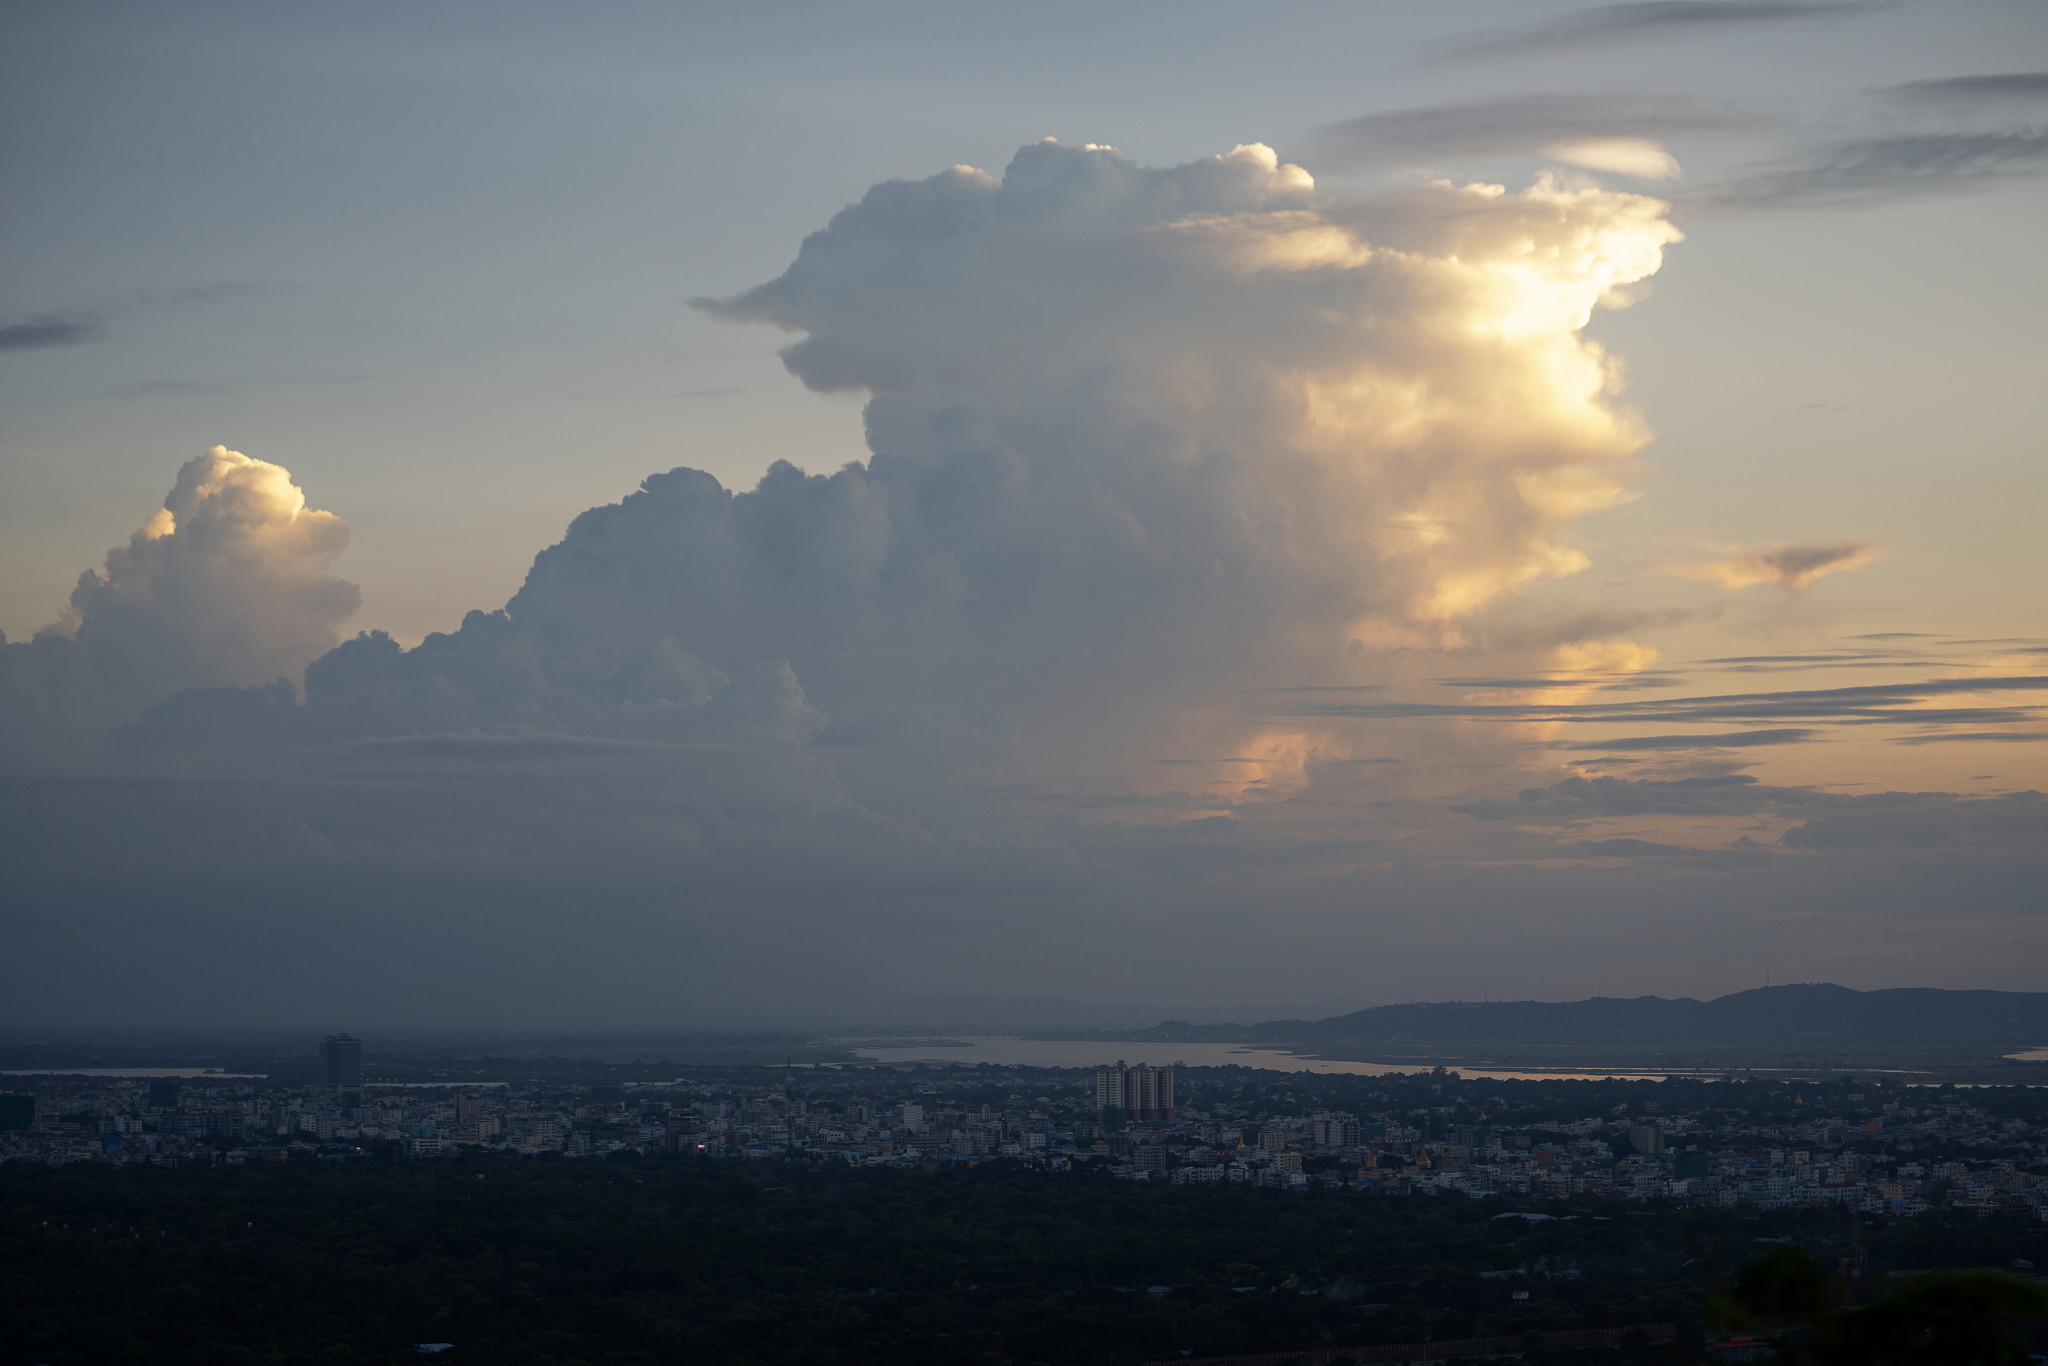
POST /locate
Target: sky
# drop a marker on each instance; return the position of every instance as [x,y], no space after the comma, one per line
[688,515]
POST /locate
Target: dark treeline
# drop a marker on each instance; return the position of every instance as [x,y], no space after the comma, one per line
[631,1261]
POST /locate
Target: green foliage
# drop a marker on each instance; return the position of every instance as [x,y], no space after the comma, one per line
[632,1261]
[1962,1318]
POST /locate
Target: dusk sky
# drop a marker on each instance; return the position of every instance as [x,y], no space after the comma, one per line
[765,512]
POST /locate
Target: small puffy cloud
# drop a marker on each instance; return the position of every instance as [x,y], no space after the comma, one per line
[1791,567]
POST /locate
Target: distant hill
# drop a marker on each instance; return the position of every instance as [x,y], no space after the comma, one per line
[1025,1014]
[1813,1015]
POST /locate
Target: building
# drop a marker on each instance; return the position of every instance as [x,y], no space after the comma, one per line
[1335,1132]
[1141,1093]
[341,1068]
[1647,1139]
[341,1062]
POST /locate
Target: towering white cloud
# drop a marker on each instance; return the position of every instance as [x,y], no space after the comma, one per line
[1141,437]
[229,582]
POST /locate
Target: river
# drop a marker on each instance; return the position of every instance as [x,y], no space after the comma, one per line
[1009,1051]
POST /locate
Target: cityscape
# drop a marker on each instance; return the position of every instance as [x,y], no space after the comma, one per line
[1862,1146]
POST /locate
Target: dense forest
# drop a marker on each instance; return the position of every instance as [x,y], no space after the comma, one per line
[631,1260]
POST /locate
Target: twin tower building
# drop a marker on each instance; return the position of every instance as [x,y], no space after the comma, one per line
[1133,1094]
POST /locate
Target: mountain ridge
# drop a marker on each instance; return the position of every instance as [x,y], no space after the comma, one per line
[1799,1015]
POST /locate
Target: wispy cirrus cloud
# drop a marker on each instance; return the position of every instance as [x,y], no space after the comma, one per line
[1997,88]
[1974,131]
[1645,20]
[1914,704]
[79,326]
[1603,132]
[1732,739]
[1872,170]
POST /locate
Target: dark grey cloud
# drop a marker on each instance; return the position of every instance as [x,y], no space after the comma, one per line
[2005,88]
[1648,19]
[1516,126]
[46,330]
[2002,737]
[1874,170]
[2014,822]
[1578,799]
[75,327]
[1733,739]
[1643,680]
[1630,847]
[1832,657]
[1871,704]
[1894,658]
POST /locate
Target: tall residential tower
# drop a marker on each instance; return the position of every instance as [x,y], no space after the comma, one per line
[1141,1093]
[341,1068]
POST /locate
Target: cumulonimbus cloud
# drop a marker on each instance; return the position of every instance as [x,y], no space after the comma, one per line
[1137,438]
